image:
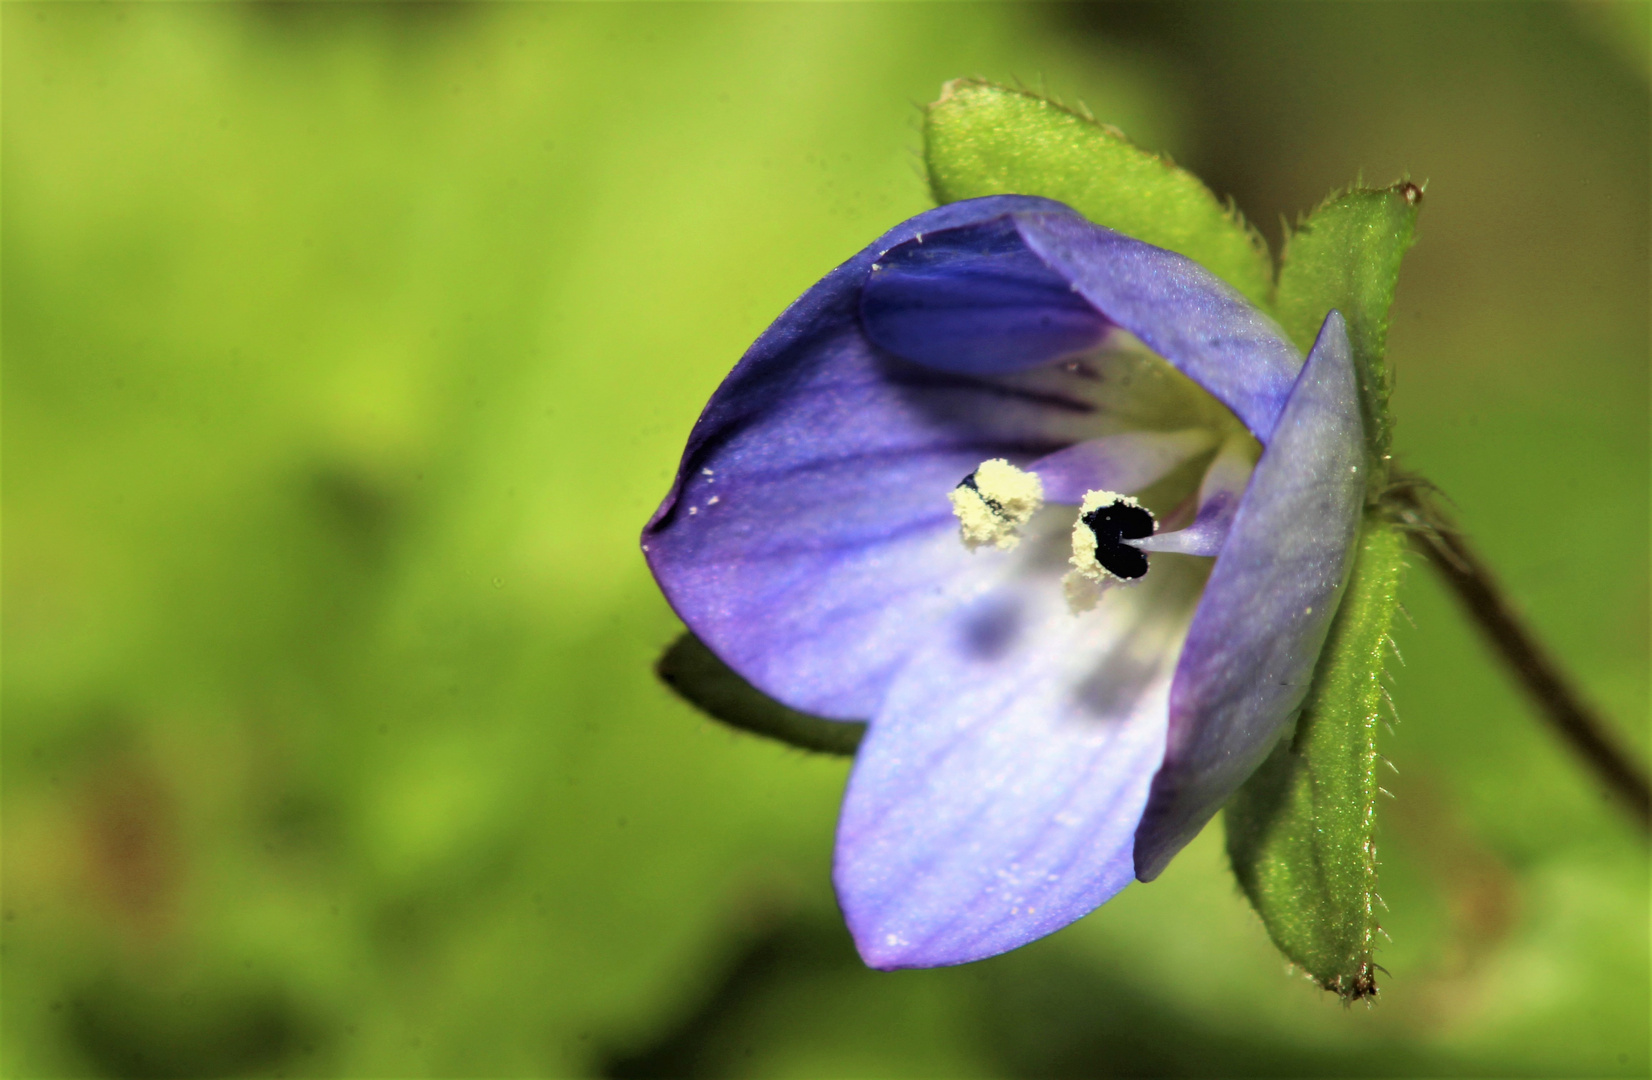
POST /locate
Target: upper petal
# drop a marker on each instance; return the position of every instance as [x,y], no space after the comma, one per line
[996,796]
[807,538]
[1251,651]
[1183,311]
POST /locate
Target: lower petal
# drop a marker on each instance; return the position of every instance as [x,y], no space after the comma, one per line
[996,797]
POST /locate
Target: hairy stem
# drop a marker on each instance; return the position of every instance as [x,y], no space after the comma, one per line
[1434,534]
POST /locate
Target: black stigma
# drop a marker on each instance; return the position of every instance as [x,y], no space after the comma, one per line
[992,504]
[1112,525]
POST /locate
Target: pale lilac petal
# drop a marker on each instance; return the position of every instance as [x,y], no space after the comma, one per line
[1219,496]
[1257,635]
[1181,310]
[996,796]
[1126,463]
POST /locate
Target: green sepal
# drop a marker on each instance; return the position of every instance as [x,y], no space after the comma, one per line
[1346,255]
[981,139]
[711,686]
[1301,832]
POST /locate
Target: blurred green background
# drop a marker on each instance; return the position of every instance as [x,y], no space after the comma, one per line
[346,349]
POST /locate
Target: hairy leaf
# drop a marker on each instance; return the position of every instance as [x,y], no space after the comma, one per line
[982,139]
[1300,833]
[711,686]
[1346,255]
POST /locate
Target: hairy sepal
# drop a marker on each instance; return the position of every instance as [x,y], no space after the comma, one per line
[1301,832]
[704,681]
[981,139]
[1346,256]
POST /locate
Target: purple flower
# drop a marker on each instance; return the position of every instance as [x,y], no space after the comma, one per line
[1061,698]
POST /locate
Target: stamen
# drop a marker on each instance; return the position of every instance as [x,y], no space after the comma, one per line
[993,502]
[1101,558]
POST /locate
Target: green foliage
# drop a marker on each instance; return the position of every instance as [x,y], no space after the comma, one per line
[1301,832]
[981,139]
[708,684]
[1346,256]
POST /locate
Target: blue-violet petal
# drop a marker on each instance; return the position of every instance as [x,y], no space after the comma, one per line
[807,539]
[975,300]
